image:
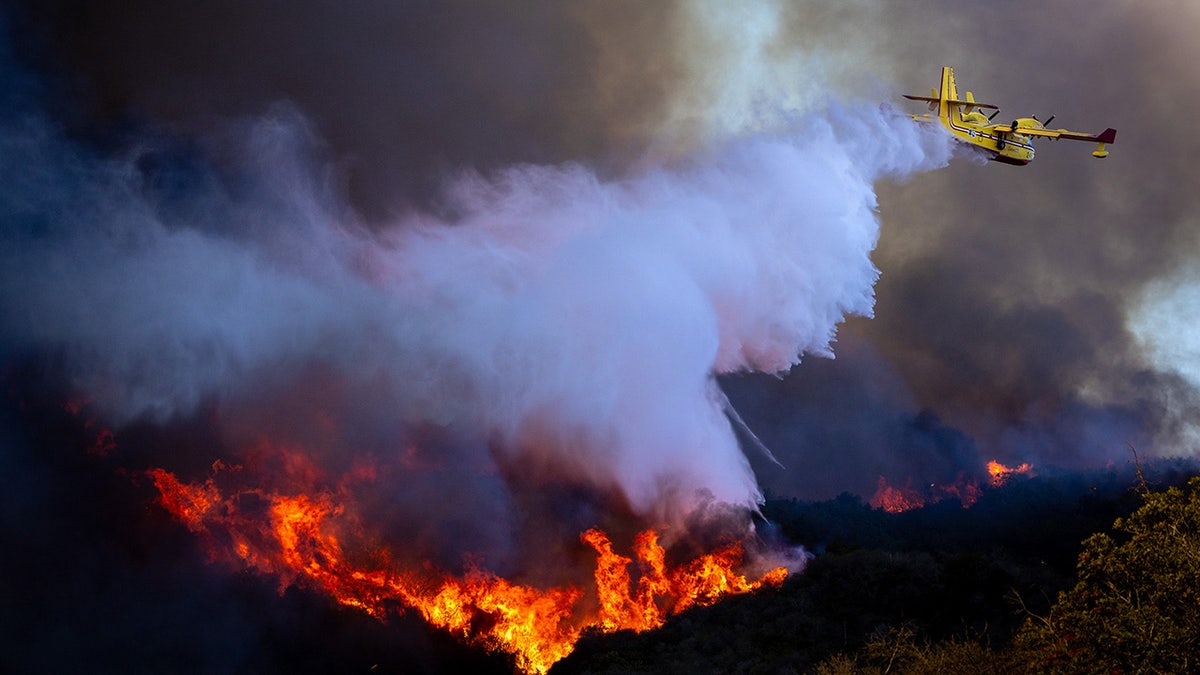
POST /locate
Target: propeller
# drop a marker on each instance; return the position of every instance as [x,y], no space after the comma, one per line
[993,115]
[1048,121]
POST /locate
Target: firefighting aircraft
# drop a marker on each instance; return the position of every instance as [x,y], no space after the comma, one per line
[1007,143]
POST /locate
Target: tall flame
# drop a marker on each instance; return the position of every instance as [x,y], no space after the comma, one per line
[304,536]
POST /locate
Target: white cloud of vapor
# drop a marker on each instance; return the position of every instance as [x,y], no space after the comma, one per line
[574,322]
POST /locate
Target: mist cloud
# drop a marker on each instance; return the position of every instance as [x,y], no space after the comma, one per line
[576,320]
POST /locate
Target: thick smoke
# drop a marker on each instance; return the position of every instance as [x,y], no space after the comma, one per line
[1004,303]
[573,323]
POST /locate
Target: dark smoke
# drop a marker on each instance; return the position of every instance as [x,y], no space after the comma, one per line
[407,92]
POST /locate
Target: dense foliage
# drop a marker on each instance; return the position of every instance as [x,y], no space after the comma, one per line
[1136,607]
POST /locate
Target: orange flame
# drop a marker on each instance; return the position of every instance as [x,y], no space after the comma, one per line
[301,539]
[189,503]
[966,490]
[1000,473]
[896,500]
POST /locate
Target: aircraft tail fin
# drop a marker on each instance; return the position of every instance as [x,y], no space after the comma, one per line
[939,97]
[944,99]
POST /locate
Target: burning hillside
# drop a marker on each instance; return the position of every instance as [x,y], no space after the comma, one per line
[311,535]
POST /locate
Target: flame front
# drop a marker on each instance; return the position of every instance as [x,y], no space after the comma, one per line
[303,537]
[660,591]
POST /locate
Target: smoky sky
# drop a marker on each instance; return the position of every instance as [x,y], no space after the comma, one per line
[1007,298]
[1002,315]
[405,93]
[1007,304]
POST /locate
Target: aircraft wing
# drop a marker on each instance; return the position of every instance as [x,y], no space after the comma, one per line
[1106,136]
[934,99]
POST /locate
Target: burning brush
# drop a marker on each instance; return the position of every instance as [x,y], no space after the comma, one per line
[311,538]
[966,489]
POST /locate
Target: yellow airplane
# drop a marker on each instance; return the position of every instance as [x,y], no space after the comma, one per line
[1007,143]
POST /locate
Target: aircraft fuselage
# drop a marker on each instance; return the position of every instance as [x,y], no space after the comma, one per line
[1005,147]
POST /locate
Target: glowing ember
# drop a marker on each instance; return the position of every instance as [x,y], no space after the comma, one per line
[304,537]
[104,444]
[103,441]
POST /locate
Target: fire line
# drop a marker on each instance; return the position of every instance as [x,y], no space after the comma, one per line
[303,538]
